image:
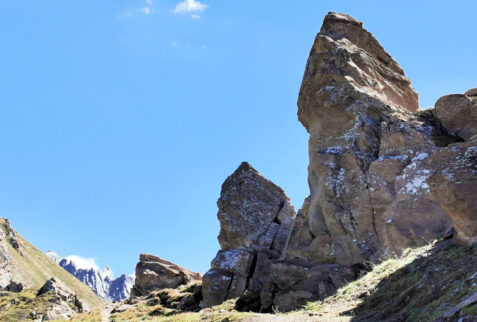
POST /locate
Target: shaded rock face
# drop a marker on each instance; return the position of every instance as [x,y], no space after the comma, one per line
[369,154]
[256,218]
[154,273]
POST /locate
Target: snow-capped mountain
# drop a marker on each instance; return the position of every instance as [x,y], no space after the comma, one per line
[102,281]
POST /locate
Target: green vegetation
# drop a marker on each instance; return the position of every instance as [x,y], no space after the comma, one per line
[23,306]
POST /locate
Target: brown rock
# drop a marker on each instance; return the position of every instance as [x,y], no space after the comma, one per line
[454,184]
[375,178]
[458,113]
[471,92]
[154,273]
[368,153]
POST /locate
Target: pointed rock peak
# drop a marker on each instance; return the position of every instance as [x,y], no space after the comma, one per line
[340,25]
[249,203]
[348,69]
[245,166]
[246,172]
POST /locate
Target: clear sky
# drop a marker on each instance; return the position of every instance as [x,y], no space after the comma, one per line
[120,119]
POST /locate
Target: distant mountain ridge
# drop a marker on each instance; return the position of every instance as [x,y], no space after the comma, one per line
[101,281]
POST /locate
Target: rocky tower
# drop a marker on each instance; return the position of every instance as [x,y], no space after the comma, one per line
[383,176]
[369,154]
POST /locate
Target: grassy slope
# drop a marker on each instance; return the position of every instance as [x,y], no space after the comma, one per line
[19,306]
[419,286]
[36,268]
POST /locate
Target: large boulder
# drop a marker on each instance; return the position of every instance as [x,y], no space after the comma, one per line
[256,218]
[154,273]
[458,113]
[64,303]
[250,210]
[369,153]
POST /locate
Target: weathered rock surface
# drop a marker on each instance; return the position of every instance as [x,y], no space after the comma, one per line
[458,113]
[154,273]
[369,154]
[64,304]
[249,211]
[256,218]
[383,177]
[453,182]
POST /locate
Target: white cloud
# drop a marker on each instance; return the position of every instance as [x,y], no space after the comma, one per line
[190,6]
[81,262]
[147,9]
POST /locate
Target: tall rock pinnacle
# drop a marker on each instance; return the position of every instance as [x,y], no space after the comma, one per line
[368,153]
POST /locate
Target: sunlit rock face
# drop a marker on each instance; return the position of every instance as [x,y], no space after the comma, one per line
[369,153]
[154,273]
[383,176]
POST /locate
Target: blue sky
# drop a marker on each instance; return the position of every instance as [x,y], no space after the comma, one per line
[120,119]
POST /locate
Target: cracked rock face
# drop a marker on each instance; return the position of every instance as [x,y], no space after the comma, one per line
[383,177]
[256,218]
[250,211]
[453,182]
[369,154]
